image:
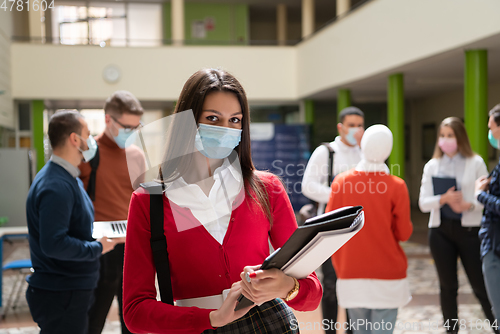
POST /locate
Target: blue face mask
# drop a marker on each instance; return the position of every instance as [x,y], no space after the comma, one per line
[122,140]
[92,148]
[493,141]
[350,136]
[216,142]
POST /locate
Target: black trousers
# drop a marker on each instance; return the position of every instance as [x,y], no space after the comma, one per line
[329,302]
[109,285]
[60,312]
[447,242]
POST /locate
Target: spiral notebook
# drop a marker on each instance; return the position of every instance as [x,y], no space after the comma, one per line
[110,229]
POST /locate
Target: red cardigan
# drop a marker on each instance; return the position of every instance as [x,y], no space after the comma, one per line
[375,251]
[199,265]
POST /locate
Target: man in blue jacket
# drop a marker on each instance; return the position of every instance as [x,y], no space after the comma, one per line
[65,257]
[488,193]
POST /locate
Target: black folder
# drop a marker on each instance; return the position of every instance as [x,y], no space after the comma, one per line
[334,224]
[441,185]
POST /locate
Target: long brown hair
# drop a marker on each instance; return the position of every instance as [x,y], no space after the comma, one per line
[193,95]
[463,143]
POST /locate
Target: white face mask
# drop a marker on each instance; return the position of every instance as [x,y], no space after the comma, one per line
[126,136]
[89,153]
[216,142]
[350,135]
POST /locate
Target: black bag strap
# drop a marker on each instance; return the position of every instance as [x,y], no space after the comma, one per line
[331,152]
[158,241]
[94,163]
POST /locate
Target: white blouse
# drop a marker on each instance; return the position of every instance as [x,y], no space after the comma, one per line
[212,211]
[452,167]
[473,168]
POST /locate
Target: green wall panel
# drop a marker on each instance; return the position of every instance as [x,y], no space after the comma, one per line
[230,23]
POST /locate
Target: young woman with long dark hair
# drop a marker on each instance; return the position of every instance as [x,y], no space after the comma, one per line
[219,215]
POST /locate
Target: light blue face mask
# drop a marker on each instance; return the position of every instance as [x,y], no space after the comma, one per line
[350,136]
[216,142]
[89,154]
[493,141]
[122,140]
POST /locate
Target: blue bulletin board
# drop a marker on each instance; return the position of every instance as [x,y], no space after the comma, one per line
[284,151]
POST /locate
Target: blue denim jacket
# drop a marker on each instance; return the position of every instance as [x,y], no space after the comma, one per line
[490,223]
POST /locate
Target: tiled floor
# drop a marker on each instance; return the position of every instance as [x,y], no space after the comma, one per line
[421,315]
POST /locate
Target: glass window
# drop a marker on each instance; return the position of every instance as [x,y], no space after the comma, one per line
[99,24]
[144,24]
[95,120]
[107,23]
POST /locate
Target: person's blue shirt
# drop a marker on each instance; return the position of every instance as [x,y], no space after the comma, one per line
[60,215]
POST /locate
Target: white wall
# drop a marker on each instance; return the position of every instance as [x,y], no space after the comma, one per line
[6,103]
[385,34]
[75,72]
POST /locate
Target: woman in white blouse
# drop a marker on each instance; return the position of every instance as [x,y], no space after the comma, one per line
[455,216]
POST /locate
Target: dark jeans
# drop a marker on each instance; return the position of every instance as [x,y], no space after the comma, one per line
[109,285]
[329,300]
[60,312]
[447,242]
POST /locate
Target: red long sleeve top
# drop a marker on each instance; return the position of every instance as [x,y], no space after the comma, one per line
[199,265]
[375,251]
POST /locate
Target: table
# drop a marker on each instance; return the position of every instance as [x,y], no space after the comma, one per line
[9,232]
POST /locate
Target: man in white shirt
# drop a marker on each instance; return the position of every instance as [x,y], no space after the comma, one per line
[315,187]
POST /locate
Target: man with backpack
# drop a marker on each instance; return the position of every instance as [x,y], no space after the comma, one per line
[328,160]
[108,182]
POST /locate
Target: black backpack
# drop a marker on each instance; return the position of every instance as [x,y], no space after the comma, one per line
[158,240]
[94,163]
[310,210]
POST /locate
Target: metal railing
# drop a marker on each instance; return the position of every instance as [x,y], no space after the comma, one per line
[117,42]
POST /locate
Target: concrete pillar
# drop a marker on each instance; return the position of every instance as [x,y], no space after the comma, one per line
[476,100]
[177,22]
[281,24]
[396,122]
[307,18]
[35,25]
[309,111]
[343,7]
[49,35]
[37,107]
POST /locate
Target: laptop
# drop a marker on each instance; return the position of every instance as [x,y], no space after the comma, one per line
[110,229]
